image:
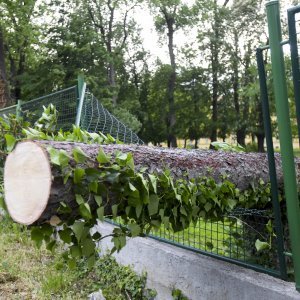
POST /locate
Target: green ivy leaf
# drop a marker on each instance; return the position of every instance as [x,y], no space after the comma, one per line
[259,245]
[91,261]
[51,246]
[102,158]
[153,180]
[88,247]
[138,210]
[75,251]
[72,264]
[79,156]
[78,175]
[64,208]
[78,229]
[100,213]
[10,142]
[114,210]
[153,204]
[64,158]
[37,236]
[79,199]
[135,229]
[98,200]
[93,187]
[85,211]
[66,235]
[54,156]
[96,236]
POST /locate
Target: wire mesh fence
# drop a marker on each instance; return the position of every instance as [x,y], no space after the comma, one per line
[232,239]
[65,102]
[96,118]
[8,110]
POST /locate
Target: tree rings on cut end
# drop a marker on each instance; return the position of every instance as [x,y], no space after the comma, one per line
[27,182]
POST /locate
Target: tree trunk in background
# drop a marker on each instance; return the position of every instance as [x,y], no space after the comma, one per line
[171,119]
[4,89]
[215,74]
[260,142]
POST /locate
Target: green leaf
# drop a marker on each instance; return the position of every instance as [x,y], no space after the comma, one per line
[64,208]
[78,229]
[98,199]
[78,175]
[135,229]
[208,206]
[75,251]
[79,155]
[153,204]
[54,156]
[183,211]
[64,158]
[96,236]
[37,236]
[102,158]
[153,180]
[66,235]
[100,213]
[231,203]
[47,229]
[138,210]
[114,210]
[269,226]
[91,261]
[93,187]
[72,264]
[130,161]
[50,246]
[88,247]
[85,211]
[259,245]
[79,199]
[10,142]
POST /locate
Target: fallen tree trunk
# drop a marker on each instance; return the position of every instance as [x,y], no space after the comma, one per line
[34,190]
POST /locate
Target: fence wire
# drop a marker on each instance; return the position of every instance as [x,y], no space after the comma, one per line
[96,118]
[65,102]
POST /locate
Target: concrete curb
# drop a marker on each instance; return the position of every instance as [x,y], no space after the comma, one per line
[199,277]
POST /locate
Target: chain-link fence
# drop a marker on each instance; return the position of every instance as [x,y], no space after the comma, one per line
[94,116]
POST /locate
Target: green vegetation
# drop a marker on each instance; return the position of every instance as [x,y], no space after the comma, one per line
[144,201]
[207,88]
[30,273]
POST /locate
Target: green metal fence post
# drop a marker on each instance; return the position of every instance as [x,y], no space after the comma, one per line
[295,60]
[81,92]
[271,160]
[285,134]
[19,109]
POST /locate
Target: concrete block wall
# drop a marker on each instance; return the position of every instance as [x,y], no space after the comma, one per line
[199,277]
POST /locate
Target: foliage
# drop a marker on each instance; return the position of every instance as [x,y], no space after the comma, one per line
[28,272]
[143,200]
[227,147]
[178,295]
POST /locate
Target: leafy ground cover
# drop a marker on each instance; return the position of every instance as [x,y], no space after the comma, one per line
[30,273]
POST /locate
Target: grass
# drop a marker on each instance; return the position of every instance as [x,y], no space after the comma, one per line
[30,273]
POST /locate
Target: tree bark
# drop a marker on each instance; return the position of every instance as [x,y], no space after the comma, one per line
[29,167]
[4,90]
[171,120]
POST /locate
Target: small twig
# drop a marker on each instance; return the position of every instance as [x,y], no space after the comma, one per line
[128,297]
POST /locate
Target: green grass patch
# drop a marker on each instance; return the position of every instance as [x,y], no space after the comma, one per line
[30,273]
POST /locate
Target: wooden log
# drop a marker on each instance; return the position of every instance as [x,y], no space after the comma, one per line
[33,190]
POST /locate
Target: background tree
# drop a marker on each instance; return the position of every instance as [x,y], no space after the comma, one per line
[170,16]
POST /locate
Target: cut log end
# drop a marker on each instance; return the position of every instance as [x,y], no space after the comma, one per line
[27,182]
